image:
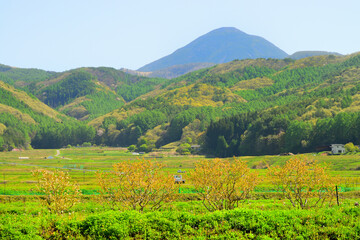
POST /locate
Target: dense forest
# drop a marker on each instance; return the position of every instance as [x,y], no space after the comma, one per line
[275,98]
[247,107]
[26,122]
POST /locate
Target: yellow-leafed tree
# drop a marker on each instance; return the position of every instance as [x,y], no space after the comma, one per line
[136,185]
[304,182]
[222,184]
[60,193]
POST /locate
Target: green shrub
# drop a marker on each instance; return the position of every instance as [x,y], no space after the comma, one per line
[329,223]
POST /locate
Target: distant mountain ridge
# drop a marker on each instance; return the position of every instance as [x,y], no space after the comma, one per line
[305,54]
[219,46]
[170,72]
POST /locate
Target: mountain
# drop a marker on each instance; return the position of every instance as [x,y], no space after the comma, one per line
[171,72]
[218,46]
[305,54]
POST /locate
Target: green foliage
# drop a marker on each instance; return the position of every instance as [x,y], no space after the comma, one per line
[100,103]
[86,144]
[130,91]
[296,135]
[350,148]
[231,78]
[143,148]
[75,85]
[131,148]
[55,135]
[45,132]
[333,223]
[278,130]
[184,149]
[24,76]
[346,102]
[148,119]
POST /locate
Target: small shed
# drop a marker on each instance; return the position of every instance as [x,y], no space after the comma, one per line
[337,148]
[196,148]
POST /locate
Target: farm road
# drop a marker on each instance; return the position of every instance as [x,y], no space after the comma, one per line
[58,155]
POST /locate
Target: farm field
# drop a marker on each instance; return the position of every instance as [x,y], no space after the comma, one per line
[83,163]
[265,215]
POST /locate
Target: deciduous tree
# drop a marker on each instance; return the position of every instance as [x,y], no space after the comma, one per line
[60,193]
[304,182]
[136,185]
[222,184]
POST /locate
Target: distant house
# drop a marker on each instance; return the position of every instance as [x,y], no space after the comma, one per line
[196,147]
[23,157]
[50,157]
[337,148]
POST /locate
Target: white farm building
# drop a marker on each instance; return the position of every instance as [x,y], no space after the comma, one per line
[337,148]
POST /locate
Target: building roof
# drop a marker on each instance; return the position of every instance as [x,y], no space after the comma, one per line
[337,145]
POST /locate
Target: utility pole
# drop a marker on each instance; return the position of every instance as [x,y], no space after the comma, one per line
[4,183]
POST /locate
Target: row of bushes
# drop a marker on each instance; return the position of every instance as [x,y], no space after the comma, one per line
[334,223]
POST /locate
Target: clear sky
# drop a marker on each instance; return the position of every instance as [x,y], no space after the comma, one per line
[65,34]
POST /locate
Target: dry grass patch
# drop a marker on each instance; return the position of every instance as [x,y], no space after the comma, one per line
[16,113]
[253,84]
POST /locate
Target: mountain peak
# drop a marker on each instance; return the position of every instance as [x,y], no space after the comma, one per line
[225,30]
[218,46]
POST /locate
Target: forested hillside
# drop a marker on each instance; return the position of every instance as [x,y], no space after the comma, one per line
[244,107]
[84,93]
[26,122]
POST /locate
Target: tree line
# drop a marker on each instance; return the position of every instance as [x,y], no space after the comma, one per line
[279,131]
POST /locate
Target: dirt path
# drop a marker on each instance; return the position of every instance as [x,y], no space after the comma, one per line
[58,155]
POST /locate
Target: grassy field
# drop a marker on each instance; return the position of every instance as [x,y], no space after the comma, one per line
[83,163]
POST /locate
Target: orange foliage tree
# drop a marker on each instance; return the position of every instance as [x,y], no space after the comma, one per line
[60,193]
[136,185]
[304,182]
[222,184]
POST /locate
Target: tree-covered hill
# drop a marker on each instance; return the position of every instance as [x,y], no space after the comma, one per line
[305,54]
[243,107]
[26,122]
[252,106]
[84,93]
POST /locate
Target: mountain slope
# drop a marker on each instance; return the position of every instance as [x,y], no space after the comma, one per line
[305,54]
[25,120]
[218,46]
[83,93]
[267,95]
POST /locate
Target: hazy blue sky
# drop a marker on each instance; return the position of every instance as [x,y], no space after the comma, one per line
[65,34]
